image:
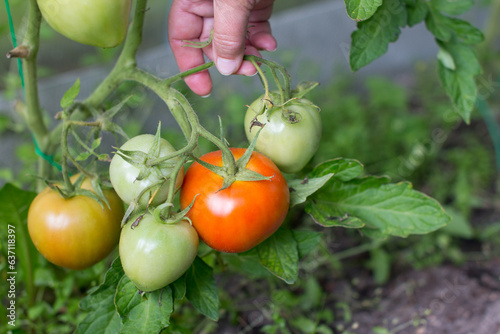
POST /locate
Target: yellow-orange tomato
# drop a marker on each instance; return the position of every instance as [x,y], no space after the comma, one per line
[241,216]
[76,232]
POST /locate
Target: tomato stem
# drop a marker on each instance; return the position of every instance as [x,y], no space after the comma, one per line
[65,154]
[267,98]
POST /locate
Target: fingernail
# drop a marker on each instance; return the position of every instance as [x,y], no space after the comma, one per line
[226,66]
[205,96]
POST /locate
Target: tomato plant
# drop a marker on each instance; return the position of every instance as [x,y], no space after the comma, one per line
[234,205]
[133,178]
[291,132]
[155,253]
[241,216]
[75,232]
[93,22]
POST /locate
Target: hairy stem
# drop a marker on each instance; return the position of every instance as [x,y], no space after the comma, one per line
[34,116]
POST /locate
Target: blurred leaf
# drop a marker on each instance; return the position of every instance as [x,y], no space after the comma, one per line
[460,83]
[201,289]
[417,12]
[459,226]
[306,241]
[360,10]
[179,288]
[371,39]
[143,313]
[452,7]
[280,256]
[446,59]
[247,263]
[380,264]
[394,209]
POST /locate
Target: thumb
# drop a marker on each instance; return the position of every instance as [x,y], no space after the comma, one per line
[230,28]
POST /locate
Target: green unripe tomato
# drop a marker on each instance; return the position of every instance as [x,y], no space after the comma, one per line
[154,253]
[291,133]
[101,23]
[124,175]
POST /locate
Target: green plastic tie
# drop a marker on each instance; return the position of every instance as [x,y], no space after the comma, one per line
[14,41]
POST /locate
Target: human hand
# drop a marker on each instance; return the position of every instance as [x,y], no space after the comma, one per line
[239,27]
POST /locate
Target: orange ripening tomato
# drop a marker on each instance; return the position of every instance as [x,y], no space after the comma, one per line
[237,218]
[76,232]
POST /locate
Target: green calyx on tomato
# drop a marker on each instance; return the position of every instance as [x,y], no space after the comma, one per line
[77,231]
[238,217]
[291,132]
[155,252]
[141,170]
[93,22]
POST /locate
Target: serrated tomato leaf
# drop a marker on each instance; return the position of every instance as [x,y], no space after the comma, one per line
[459,83]
[373,203]
[301,189]
[360,10]
[201,290]
[452,7]
[102,316]
[306,241]
[279,254]
[143,313]
[417,11]
[371,39]
[341,168]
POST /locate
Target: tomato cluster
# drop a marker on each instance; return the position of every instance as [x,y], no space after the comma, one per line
[230,209]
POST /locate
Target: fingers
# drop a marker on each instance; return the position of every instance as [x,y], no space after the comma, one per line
[232,20]
[186,22]
[240,27]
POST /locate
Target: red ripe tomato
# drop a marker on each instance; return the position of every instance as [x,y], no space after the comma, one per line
[237,218]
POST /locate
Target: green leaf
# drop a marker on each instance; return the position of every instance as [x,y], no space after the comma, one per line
[417,12]
[436,23]
[143,313]
[459,225]
[301,189]
[465,31]
[341,168]
[83,156]
[102,316]
[179,288]
[201,289]
[446,59]
[393,209]
[452,7]
[248,264]
[70,95]
[460,84]
[306,241]
[380,264]
[14,206]
[371,39]
[280,256]
[360,10]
